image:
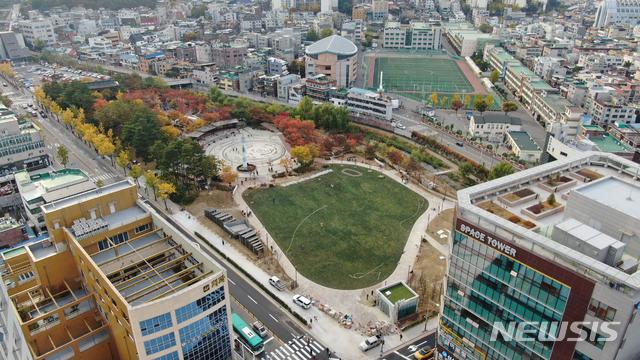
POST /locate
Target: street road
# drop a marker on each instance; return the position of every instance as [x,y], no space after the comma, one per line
[406,350]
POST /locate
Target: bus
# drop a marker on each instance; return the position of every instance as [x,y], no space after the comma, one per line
[247,335]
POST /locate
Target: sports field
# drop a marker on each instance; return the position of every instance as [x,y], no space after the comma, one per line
[345,229]
[421,75]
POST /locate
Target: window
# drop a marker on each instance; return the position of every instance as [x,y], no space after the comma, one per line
[155,324]
[93,213]
[207,338]
[169,356]
[160,343]
[142,228]
[112,207]
[201,305]
[25,276]
[601,310]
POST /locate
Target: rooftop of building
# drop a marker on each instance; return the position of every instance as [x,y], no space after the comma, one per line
[397,292]
[496,118]
[54,185]
[334,44]
[523,204]
[524,140]
[608,143]
[84,196]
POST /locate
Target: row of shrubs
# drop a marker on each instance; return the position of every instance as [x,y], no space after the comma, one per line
[407,147]
[479,170]
[255,281]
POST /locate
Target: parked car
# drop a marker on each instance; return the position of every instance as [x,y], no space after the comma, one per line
[400,126]
[302,301]
[425,353]
[369,343]
[460,143]
[260,329]
[276,283]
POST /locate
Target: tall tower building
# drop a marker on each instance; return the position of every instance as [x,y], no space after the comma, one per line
[113,281]
[552,250]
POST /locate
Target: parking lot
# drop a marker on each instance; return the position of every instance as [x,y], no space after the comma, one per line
[33,74]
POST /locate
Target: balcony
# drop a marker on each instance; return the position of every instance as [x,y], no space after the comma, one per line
[38,306]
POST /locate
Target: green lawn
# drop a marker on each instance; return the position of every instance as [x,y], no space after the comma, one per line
[341,231]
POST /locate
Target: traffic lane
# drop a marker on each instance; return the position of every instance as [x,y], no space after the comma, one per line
[270,342]
[428,341]
[270,315]
[247,295]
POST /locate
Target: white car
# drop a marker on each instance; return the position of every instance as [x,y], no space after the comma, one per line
[302,301]
[276,283]
[369,343]
[400,126]
[260,329]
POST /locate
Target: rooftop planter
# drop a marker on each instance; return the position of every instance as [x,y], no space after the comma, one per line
[544,208]
[558,183]
[518,197]
[496,209]
[586,175]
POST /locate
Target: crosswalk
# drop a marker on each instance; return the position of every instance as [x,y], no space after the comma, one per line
[104,177]
[296,349]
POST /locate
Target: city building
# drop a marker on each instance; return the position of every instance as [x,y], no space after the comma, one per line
[38,30]
[466,40]
[617,12]
[417,36]
[228,56]
[369,103]
[523,146]
[319,87]
[361,11]
[379,10]
[115,280]
[335,57]
[551,244]
[397,301]
[43,188]
[12,232]
[493,126]
[12,46]
[21,146]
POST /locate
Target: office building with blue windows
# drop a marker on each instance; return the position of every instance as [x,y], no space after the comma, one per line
[126,285]
[543,264]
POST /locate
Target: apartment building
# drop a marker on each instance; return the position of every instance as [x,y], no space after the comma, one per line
[605,111]
[617,12]
[115,281]
[35,30]
[551,244]
[417,36]
[369,103]
[493,126]
[21,146]
[42,188]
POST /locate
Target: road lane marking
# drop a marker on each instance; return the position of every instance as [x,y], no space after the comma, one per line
[274,319]
[250,298]
[402,356]
[231,281]
[269,339]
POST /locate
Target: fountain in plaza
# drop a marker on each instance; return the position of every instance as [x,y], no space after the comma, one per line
[245,166]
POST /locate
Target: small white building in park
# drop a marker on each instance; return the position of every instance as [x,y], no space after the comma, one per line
[397,300]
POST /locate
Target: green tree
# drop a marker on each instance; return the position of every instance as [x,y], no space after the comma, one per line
[312,35]
[495,76]
[326,33]
[501,169]
[305,108]
[99,183]
[63,155]
[509,106]
[485,28]
[216,95]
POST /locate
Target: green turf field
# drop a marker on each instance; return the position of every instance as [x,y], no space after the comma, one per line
[341,230]
[421,75]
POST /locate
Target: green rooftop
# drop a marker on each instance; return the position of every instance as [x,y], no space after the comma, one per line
[592,127]
[397,292]
[610,144]
[523,140]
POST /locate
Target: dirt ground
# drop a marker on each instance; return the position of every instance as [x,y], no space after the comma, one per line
[223,200]
[441,222]
[427,275]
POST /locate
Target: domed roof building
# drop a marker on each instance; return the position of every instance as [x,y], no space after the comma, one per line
[334,56]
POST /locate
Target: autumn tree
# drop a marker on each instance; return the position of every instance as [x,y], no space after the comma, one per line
[123,161]
[151,181]
[228,175]
[67,117]
[509,106]
[165,189]
[481,105]
[136,172]
[287,164]
[489,100]
[303,156]
[63,155]
[434,98]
